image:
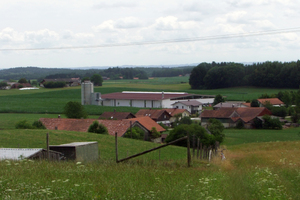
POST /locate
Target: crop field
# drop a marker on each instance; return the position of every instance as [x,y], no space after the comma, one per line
[260,164]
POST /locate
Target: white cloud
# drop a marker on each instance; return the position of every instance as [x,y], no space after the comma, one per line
[172,23]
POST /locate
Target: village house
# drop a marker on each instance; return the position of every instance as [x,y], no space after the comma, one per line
[191,105]
[230,116]
[177,113]
[273,101]
[230,105]
[159,116]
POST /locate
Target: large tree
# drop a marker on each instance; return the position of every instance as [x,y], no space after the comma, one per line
[75,110]
[196,80]
[97,80]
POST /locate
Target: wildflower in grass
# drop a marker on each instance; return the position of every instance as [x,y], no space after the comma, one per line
[76,185]
[78,163]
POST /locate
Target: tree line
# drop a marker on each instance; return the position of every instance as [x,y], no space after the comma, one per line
[267,74]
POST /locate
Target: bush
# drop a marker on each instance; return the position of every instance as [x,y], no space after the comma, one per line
[38,125]
[51,84]
[75,110]
[279,111]
[216,128]
[164,126]
[240,124]
[271,123]
[23,124]
[137,133]
[185,120]
[95,127]
[194,129]
[154,133]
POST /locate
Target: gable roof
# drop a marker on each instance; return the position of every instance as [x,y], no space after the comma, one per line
[174,111]
[148,123]
[82,125]
[189,103]
[273,101]
[116,115]
[154,114]
[245,114]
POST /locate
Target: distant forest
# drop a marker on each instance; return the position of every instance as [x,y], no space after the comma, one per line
[267,74]
[112,73]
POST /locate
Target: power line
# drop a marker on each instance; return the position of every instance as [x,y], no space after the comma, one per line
[205,38]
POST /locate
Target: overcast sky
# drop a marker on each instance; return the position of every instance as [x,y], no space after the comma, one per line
[32,24]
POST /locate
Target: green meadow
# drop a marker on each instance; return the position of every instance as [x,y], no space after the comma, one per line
[260,164]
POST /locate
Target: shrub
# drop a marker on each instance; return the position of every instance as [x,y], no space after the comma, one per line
[154,133]
[95,127]
[38,125]
[271,123]
[194,129]
[75,110]
[135,133]
[185,120]
[23,124]
[216,128]
[164,126]
[279,111]
[240,124]
[51,84]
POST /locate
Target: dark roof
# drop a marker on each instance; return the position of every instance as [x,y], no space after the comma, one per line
[189,103]
[148,123]
[116,115]
[149,95]
[245,114]
[154,114]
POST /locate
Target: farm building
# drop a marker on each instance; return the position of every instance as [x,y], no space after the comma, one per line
[230,116]
[26,153]
[146,99]
[78,151]
[231,105]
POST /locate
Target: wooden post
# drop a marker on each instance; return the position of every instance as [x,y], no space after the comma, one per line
[198,145]
[188,150]
[194,146]
[201,151]
[116,143]
[48,149]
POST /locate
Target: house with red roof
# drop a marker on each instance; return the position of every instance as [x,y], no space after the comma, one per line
[159,116]
[230,116]
[273,101]
[177,113]
[82,125]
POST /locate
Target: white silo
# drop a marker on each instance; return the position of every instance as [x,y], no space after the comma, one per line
[87,88]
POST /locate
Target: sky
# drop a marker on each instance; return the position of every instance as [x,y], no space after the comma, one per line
[71,33]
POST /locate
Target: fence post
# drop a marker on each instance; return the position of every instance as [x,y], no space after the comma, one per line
[198,144]
[194,141]
[116,143]
[188,150]
[48,148]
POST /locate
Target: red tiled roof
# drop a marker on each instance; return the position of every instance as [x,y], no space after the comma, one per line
[246,114]
[154,114]
[273,101]
[143,96]
[174,111]
[247,104]
[116,115]
[148,123]
[82,125]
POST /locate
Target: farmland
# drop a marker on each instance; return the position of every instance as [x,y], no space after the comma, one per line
[260,164]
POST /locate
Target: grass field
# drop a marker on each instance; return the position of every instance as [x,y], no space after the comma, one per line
[260,164]
[53,100]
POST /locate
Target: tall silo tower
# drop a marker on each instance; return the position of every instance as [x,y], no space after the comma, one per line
[87,88]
